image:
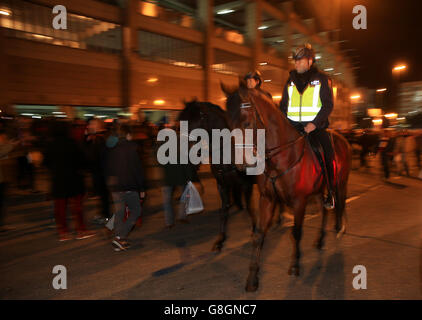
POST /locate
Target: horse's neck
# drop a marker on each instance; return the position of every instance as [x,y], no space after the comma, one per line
[278,129]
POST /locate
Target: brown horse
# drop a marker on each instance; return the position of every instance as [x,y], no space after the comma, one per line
[292,171]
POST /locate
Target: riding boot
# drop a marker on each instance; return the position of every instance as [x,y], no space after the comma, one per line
[329,200]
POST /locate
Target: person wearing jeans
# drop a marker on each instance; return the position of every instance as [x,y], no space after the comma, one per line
[125,179]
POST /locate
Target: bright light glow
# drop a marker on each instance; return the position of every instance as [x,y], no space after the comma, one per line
[391,115]
[36,117]
[329,69]
[277,97]
[58,112]
[381,90]
[263,27]
[225,11]
[399,68]
[280,41]
[152,80]
[337,74]
[268,80]
[317,57]
[401,119]
[374,112]
[377,121]
[5,12]
[357,96]
[263,63]
[40,36]
[88,115]
[27,114]
[159,102]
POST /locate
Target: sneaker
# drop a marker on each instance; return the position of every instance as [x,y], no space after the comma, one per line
[85,235]
[65,237]
[329,202]
[120,244]
[100,220]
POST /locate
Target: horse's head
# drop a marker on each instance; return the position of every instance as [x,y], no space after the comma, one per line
[244,115]
[193,113]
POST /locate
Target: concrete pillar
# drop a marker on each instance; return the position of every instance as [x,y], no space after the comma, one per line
[4,92]
[129,47]
[253,34]
[206,25]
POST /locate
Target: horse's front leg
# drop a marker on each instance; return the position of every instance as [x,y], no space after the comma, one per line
[224,213]
[248,189]
[266,205]
[319,244]
[299,206]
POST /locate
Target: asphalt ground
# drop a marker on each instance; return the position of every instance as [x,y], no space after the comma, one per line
[383,235]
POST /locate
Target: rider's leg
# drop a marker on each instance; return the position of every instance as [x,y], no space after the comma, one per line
[326,144]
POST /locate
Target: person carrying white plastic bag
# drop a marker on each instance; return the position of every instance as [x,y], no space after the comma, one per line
[191,199]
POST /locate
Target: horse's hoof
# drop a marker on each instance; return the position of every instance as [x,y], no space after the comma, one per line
[319,245]
[252,286]
[217,247]
[340,233]
[294,270]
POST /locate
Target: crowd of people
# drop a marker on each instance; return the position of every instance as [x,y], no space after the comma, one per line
[111,157]
[104,160]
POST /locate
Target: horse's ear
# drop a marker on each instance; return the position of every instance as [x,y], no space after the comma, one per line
[227,91]
[242,83]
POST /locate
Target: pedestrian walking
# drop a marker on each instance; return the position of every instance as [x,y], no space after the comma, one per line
[95,149]
[125,178]
[6,147]
[65,161]
[386,150]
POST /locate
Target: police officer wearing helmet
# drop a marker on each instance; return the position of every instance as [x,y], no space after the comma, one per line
[254,81]
[307,102]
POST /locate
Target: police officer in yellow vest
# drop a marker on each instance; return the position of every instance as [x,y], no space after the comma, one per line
[307,102]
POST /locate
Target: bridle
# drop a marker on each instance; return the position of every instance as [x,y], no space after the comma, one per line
[269,152]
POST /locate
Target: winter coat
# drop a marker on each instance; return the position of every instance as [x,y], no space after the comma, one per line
[124,170]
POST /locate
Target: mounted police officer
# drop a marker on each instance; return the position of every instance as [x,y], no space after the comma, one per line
[307,102]
[254,81]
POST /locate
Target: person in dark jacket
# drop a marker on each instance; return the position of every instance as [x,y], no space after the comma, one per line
[176,176]
[307,102]
[95,148]
[125,179]
[65,161]
[386,148]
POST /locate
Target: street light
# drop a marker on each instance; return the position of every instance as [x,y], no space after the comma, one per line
[399,68]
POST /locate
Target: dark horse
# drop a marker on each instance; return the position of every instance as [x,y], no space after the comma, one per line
[230,181]
[292,171]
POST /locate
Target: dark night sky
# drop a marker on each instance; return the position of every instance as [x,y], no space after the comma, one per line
[393,35]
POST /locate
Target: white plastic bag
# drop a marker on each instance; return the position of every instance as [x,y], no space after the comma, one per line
[191,199]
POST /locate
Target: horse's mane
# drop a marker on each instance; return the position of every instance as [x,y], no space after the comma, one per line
[216,115]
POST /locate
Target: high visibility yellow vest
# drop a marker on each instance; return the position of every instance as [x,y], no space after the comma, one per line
[304,107]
